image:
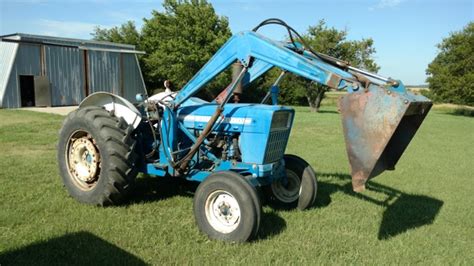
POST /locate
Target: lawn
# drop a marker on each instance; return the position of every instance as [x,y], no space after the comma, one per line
[419,213]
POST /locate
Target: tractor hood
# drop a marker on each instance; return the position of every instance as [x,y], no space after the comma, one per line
[238,118]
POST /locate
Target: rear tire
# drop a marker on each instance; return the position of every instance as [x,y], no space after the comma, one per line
[301,185]
[227,207]
[96,156]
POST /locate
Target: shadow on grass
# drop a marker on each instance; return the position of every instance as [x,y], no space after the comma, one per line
[327,112]
[271,225]
[466,113]
[150,189]
[81,248]
[458,111]
[403,211]
[321,111]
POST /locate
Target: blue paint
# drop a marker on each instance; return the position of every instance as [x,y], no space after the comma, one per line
[248,44]
[152,170]
[258,175]
[369,116]
[274,90]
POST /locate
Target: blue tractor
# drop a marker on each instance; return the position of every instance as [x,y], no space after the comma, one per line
[234,149]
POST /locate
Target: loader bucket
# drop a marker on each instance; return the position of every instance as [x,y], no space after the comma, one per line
[378,124]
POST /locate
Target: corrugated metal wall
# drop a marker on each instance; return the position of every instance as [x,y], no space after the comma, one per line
[65,71]
[104,72]
[107,71]
[132,80]
[115,73]
[27,62]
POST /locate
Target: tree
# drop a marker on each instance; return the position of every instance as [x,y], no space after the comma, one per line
[297,90]
[127,33]
[180,40]
[451,74]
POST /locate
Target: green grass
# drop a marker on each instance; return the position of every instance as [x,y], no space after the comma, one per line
[420,213]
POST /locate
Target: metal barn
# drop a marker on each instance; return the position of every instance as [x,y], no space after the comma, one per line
[50,71]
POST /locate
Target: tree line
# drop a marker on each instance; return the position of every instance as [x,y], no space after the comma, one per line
[179,40]
[451,74]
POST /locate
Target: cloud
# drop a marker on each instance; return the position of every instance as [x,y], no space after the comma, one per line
[73,29]
[386,4]
[120,16]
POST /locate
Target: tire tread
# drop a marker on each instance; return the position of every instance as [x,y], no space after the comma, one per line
[120,145]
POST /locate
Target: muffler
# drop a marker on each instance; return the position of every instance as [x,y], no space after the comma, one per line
[378,125]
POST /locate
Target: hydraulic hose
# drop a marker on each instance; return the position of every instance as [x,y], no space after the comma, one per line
[326,58]
[183,163]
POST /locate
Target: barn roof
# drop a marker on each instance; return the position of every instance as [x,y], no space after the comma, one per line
[69,42]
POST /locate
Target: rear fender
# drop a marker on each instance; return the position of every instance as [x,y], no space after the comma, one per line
[115,104]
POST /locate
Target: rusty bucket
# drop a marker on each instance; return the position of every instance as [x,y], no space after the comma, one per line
[378,124]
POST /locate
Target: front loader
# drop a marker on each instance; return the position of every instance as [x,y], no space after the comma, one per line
[234,149]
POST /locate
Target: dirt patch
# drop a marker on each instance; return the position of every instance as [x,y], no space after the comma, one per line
[61,110]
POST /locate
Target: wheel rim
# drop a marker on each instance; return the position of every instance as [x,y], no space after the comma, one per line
[291,191]
[83,160]
[222,211]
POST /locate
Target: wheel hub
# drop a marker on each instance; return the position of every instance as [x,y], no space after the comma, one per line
[84,159]
[223,211]
[290,191]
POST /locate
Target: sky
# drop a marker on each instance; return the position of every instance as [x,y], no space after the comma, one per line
[405,32]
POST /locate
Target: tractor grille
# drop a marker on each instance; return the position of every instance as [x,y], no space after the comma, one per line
[276,145]
[279,134]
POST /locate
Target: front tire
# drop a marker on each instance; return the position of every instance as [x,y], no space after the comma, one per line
[96,156]
[300,188]
[227,207]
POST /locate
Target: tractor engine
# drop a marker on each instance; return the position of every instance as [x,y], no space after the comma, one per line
[249,133]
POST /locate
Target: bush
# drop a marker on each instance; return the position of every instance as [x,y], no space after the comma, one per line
[451,74]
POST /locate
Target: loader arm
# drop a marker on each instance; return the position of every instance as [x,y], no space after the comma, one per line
[260,54]
[379,121]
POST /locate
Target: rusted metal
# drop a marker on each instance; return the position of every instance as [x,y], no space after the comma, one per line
[378,125]
[183,165]
[364,81]
[42,60]
[122,75]
[334,81]
[86,73]
[236,69]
